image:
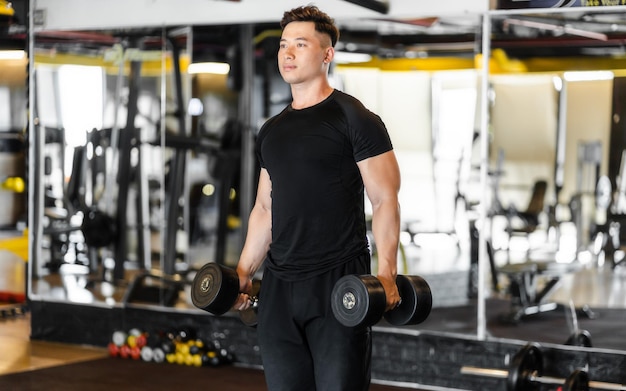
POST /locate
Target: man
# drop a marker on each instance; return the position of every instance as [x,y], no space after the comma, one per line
[307,226]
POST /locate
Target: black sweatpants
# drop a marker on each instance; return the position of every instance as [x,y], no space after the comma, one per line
[303,346]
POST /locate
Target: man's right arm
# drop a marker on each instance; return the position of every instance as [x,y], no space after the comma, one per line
[258,237]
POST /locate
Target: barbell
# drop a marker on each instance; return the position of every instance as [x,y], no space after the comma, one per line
[525,373]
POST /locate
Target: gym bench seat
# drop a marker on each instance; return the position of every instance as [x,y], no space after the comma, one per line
[527,297]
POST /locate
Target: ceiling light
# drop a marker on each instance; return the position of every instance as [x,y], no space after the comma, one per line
[348,58]
[588,75]
[218,68]
[12,54]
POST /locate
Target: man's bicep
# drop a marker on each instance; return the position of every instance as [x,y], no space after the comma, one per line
[381,176]
[264,190]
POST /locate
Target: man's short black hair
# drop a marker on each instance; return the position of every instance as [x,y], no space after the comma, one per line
[323,23]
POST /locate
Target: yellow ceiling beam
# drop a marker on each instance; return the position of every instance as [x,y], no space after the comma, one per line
[150,67]
[498,63]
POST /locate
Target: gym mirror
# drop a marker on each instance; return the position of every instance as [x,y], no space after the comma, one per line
[555,169]
[104,102]
[540,148]
[81,172]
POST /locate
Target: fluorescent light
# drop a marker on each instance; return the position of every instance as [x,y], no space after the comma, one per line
[349,57]
[588,75]
[12,54]
[218,68]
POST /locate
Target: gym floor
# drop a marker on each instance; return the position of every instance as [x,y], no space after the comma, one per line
[22,354]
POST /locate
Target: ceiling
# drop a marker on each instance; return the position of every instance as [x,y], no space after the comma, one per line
[588,32]
[522,34]
[585,33]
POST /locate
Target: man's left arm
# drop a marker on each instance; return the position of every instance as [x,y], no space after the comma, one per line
[381,177]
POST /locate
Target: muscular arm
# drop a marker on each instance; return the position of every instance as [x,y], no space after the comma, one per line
[258,238]
[381,176]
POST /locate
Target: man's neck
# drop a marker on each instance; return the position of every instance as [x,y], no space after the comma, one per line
[309,95]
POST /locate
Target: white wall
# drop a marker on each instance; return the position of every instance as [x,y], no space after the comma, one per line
[524,118]
[404,101]
[524,124]
[589,109]
[97,14]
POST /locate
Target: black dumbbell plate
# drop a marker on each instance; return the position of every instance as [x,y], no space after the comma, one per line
[358,300]
[215,288]
[416,302]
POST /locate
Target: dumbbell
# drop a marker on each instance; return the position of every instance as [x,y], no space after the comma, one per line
[360,300]
[215,289]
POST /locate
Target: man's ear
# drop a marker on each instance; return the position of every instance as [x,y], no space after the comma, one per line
[330,54]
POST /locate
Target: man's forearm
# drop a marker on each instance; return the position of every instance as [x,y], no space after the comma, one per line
[386,230]
[258,239]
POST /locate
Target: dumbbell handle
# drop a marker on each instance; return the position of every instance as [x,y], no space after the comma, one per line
[254,301]
[248,316]
[253,296]
[534,377]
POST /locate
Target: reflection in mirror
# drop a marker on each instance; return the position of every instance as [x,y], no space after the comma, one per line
[13,189]
[140,168]
[213,174]
[427,96]
[104,101]
[553,227]
[175,199]
[135,179]
[12,141]
[182,191]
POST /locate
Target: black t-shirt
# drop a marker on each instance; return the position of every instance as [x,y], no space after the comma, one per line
[318,219]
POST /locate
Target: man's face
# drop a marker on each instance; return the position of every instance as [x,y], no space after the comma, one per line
[304,53]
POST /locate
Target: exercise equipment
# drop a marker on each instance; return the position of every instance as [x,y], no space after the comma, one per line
[525,373]
[578,380]
[529,296]
[12,311]
[181,347]
[98,228]
[580,338]
[6,9]
[361,301]
[154,287]
[215,289]
[14,184]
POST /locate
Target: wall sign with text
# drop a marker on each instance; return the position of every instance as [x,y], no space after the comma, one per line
[517,4]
